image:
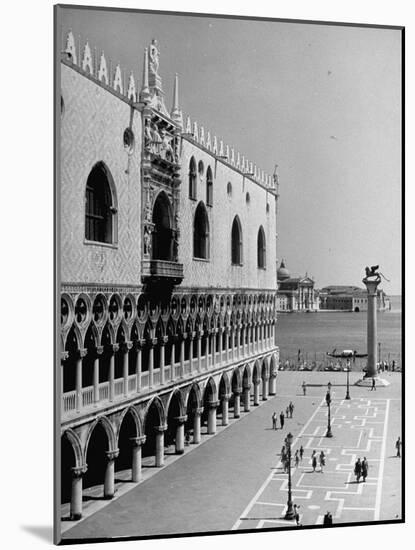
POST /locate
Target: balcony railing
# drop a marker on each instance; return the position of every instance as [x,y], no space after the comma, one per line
[162,270]
[89,397]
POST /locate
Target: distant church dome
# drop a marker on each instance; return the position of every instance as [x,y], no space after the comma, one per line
[283,272]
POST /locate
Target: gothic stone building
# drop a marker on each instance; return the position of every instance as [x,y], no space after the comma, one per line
[168,276]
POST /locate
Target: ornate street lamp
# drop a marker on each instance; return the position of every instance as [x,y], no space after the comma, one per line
[348,370]
[328,401]
[289,514]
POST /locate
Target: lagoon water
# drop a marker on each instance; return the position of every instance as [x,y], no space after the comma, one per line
[314,334]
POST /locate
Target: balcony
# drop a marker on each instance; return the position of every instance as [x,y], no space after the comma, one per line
[162,271]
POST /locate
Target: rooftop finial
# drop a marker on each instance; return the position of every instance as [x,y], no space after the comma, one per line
[145,91]
[176,114]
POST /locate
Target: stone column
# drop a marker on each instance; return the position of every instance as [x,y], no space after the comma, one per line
[256,393]
[76,492]
[160,445]
[225,409]
[152,343]
[199,351]
[191,336]
[180,433]
[109,474]
[273,381]
[196,425]
[138,367]
[220,344]
[125,348]
[214,331]
[237,403]
[211,428]
[98,352]
[173,360]
[371,283]
[247,398]
[64,357]
[238,341]
[78,380]
[113,348]
[162,342]
[227,344]
[136,473]
[264,389]
[184,336]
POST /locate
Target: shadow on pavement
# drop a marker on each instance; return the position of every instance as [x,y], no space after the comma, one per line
[43,532]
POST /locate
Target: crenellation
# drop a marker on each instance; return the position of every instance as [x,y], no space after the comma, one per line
[70,47]
[215,146]
[117,82]
[202,136]
[131,93]
[221,151]
[195,132]
[103,71]
[87,59]
[188,126]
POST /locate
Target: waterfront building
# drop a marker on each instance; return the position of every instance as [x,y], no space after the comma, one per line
[168,279]
[350,298]
[295,293]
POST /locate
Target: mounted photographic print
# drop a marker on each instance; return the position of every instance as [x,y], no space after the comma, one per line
[229,274]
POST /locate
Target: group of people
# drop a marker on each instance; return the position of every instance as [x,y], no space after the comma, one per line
[318,459]
[361,469]
[285,458]
[288,414]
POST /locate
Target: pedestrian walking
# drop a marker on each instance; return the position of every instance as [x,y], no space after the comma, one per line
[291,408]
[187,438]
[365,468]
[287,411]
[283,451]
[301,452]
[274,420]
[328,519]
[297,458]
[304,388]
[314,460]
[398,447]
[282,420]
[296,514]
[373,384]
[322,460]
[358,470]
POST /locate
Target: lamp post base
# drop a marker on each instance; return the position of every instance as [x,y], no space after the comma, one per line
[328,433]
[367,381]
[347,395]
[289,514]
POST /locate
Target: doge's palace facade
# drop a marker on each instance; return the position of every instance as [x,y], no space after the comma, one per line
[168,275]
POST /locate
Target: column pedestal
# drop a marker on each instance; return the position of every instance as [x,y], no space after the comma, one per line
[159,460]
[237,405]
[225,410]
[264,389]
[256,393]
[273,385]
[247,397]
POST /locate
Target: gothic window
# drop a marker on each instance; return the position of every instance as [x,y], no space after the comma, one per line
[100,210]
[201,233]
[162,237]
[209,187]
[236,242]
[261,248]
[192,179]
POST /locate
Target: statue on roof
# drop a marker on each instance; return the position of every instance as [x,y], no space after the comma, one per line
[154,57]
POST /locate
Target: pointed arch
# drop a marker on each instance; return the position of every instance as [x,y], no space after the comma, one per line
[236,238]
[201,232]
[74,440]
[137,421]
[261,248]
[156,403]
[192,179]
[100,205]
[162,233]
[109,430]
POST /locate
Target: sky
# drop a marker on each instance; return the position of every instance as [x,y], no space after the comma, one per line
[321,101]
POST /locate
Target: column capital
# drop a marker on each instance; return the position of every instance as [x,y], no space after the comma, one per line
[256,382]
[163,340]
[237,391]
[152,342]
[139,344]
[225,397]
[198,411]
[112,455]
[181,419]
[138,441]
[64,355]
[247,386]
[213,404]
[82,353]
[99,350]
[161,428]
[126,346]
[113,348]
[78,471]
[191,335]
